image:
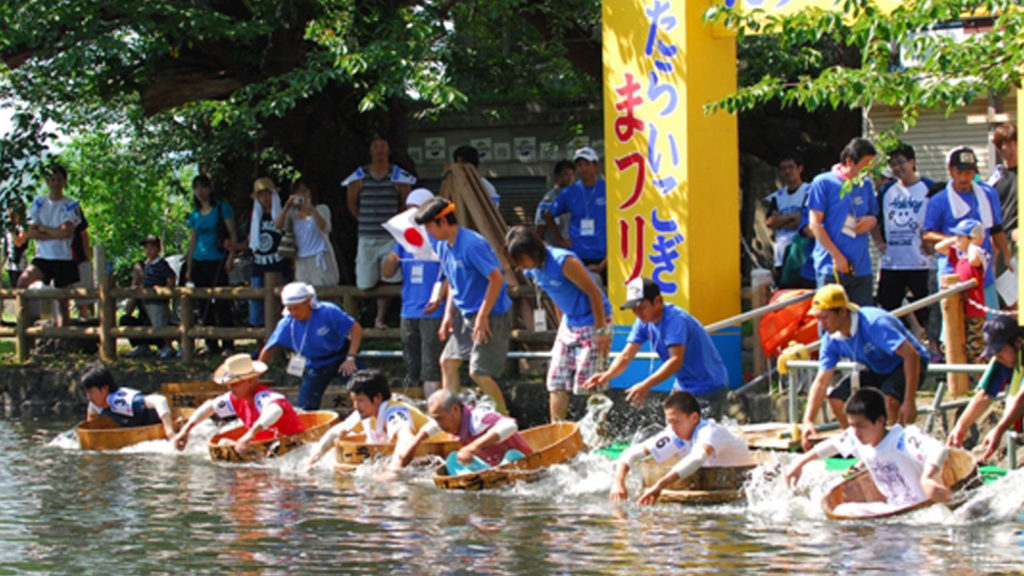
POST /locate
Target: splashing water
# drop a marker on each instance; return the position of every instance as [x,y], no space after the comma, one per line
[593,424]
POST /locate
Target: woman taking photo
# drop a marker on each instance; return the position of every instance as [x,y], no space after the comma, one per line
[211,245]
[311,224]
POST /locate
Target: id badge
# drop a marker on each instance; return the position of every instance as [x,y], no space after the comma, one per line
[297,365]
[850,226]
[587,227]
[540,320]
[416,274]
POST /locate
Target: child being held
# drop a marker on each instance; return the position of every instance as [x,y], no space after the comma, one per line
[970,260]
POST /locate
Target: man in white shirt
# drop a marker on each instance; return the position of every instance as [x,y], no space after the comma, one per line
[785,205]
[52,221]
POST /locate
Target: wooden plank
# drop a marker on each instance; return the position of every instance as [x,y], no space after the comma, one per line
[108,311]
[65,332]
[24,342]
[145,332]
[956,335]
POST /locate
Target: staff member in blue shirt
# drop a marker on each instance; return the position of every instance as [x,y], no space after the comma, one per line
[476,311]
[896,362]
[841,220]
[324,338]
[584,334]
[421,347]
[585,203]
[681,342]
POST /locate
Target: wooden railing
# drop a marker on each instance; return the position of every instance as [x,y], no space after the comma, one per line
[189,330]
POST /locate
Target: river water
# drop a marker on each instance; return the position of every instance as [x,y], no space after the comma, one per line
[149,510]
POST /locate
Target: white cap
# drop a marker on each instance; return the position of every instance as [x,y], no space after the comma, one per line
[586,153]
[297,293]
[418,197]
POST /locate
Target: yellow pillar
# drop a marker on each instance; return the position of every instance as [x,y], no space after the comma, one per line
[680,224]
[1020,212]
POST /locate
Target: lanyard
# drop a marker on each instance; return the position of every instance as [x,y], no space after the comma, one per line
[304,334]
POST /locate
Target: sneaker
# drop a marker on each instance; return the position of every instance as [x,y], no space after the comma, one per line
[138,351]
[165,352]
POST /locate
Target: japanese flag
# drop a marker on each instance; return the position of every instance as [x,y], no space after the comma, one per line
[412,236]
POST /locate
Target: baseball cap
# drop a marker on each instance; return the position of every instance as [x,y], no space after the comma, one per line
[586,153]
[832,297]
[999,331]
[297,293]
[418,197]
[638,290]
[969,227]
[962,158]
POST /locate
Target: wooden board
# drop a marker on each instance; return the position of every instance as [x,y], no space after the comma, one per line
[105,434]
[551,444]
[191,394]
[959,473]
[769,436]
[316,424]
[353,450]
[709,485]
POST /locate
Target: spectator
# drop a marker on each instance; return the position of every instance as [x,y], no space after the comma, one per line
[375,193]
[785,206]
[209,257]
[52,222]
[15,245]
[1004,177]
[324,338]
[476,312]
[554,231]
[584,334]
[421,346]
[469,155]
[156,272]
[965,198]
[264,238]
[584,201]
[903,204]
[315,263]
[840,221]
[969,262]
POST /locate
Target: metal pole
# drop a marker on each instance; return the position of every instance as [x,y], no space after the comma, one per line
[1011,449]
[755,313]
[936,405]
[792,397]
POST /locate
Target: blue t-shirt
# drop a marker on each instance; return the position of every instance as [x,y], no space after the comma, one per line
[586,209]
[703,371]
[205,226]
[418,278]
[321,339]
[939,218]
[568,296]
[467,264]
[875,338]
[860,201]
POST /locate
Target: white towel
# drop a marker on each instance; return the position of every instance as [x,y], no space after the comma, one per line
[257,216]
[959,207]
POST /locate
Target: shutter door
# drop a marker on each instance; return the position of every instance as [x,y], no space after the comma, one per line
[519,196]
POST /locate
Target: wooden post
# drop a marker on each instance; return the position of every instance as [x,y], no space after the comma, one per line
[350,304]
[188,322]
[24,343]
[271,303]
[108,306]
[760,294]
[956,336]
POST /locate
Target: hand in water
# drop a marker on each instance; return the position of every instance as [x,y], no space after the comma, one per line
[180,440]
[242,445]
[637,394]
[465,456]
[650,496]
[793,477]
[618,494]
[935,490]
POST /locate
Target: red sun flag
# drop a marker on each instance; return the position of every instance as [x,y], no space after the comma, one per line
[413,236]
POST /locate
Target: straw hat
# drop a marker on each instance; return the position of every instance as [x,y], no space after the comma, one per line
[262,184]
[238,367]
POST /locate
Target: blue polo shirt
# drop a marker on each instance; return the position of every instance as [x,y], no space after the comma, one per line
[939,218]
[321,338]
[467,264]
[703,371]
[418,278]
[825,197]
[568,296]
[875,336]
[586,209]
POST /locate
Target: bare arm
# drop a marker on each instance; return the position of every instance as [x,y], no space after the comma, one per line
[815,398]
[999,241]
[817,227]
[552,226]
[352,198]
[618,366]
[865,224]
[390,265]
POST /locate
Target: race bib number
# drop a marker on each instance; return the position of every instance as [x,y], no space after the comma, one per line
[850,226]
[297,365]
[587,227]
[416,274]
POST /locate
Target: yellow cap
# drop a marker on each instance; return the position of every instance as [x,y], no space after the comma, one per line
[832,297]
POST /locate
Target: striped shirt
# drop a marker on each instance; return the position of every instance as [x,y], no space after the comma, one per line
[379,200]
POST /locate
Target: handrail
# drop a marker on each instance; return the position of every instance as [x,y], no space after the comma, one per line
[755,313]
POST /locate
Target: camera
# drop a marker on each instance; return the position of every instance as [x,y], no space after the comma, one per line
[299,200]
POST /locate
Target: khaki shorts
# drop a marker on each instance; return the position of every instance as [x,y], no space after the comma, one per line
[486,359]
[370,258]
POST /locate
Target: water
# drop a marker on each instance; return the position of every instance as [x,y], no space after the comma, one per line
[149,510]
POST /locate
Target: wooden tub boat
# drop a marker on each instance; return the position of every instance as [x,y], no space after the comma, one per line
[191,394]
[710,485]
[552,444]
[104,434]
[316,425]
[959,473]
[355,450]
